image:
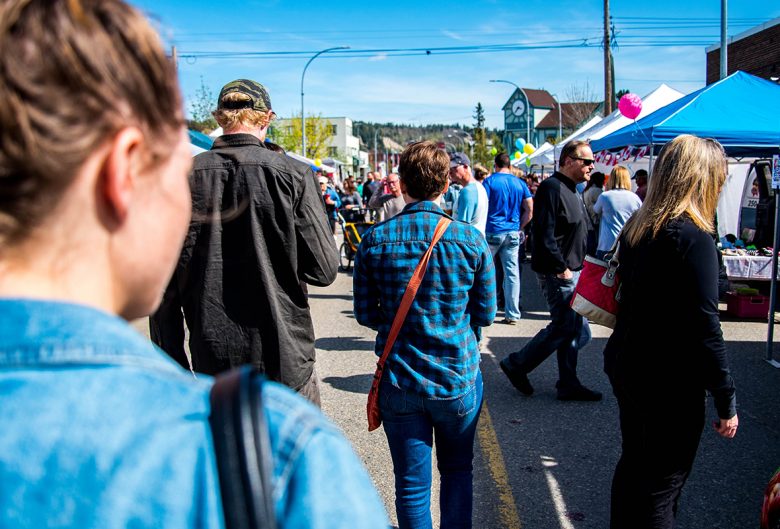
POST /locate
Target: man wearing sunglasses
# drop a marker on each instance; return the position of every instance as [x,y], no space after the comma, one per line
[560,234]
[387,200]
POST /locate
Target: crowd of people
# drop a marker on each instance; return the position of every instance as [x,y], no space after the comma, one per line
[104,217]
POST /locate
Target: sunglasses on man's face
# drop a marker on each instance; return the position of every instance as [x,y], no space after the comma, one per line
[585,161]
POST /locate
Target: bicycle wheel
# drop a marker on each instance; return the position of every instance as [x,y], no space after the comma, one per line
[345,257]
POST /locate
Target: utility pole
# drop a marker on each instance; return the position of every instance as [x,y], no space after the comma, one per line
[174,57]
[376,160]
[724,45]
[609,89]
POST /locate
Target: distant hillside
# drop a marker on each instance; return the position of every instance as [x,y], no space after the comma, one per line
[403,134]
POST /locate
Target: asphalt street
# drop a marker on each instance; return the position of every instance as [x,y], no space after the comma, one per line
[545,464]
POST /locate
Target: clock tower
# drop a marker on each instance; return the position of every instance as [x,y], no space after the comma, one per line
[518,114]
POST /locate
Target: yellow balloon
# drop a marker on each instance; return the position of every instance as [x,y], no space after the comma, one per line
[517,155]
[317,162]
[528,149]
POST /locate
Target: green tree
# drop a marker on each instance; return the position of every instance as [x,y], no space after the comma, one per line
[287,133]
[481,150]
[201,108]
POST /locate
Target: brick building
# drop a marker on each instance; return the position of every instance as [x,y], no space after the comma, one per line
[755,51]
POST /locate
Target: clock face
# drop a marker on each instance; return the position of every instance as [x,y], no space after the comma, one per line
[518,107]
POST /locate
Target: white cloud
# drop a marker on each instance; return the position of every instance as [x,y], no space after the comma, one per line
[452,35]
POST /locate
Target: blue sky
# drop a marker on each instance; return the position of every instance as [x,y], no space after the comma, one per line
[658,41]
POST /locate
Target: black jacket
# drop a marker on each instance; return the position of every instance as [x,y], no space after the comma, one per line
[667,344]
[258,232]
[560,226]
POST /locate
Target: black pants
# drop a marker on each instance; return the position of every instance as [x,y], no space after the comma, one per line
[660,440]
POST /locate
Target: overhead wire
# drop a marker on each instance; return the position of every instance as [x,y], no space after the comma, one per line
[630,35]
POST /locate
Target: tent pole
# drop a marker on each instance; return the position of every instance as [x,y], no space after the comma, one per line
[650,164]
[773,285]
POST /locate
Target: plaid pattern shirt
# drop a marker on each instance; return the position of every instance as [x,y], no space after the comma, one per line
[436,353]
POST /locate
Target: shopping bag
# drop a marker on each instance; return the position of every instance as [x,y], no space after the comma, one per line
[597,292]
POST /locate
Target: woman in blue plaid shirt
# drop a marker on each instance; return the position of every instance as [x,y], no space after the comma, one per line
[431,380]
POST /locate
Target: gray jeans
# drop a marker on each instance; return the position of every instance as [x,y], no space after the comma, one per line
[311,389]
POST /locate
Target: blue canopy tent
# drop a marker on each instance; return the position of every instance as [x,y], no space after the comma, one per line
[741,111]
[199,142]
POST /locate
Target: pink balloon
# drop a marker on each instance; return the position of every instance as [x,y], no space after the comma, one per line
[630,105]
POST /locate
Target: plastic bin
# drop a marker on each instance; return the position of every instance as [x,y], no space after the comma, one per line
[747,306]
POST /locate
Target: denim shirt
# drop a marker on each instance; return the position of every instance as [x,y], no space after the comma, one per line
[101,429]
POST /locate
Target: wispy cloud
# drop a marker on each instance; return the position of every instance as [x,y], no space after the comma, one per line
[378,57]
[452,35]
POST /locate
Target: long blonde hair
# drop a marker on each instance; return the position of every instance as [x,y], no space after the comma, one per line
[686,180]
[619,178]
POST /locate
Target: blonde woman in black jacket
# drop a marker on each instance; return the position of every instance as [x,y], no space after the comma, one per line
[668,268]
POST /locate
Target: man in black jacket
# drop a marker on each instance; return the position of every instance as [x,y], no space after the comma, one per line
[258,233]
[560,230]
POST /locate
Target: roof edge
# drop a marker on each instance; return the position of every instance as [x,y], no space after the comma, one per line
[745,34]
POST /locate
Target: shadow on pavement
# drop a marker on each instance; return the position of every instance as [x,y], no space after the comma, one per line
[560,456]
[344,343]
[330,296]
[353,383]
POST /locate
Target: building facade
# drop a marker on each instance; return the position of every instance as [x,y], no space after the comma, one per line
[755,51]
[533,115]
[342,145]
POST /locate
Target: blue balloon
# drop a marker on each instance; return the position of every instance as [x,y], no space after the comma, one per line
[520,143]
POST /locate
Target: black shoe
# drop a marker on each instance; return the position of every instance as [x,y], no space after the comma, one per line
[519,380]
[581,393]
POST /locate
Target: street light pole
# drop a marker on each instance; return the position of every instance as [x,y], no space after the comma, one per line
[527,108]
[560,131]
[303,115]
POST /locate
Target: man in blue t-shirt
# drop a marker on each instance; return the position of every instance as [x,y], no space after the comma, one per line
[472,205]
[510,208]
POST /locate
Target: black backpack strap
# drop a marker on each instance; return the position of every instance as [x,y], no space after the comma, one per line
[243,450]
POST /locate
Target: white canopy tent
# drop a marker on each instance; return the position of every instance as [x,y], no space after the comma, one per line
[518,162]
[660,97]
[547,154]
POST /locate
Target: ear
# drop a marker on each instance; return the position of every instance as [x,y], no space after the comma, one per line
[120,171]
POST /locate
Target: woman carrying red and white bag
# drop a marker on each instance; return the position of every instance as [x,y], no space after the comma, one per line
[668,275]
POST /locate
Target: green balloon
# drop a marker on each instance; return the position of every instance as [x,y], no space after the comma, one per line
[493,151]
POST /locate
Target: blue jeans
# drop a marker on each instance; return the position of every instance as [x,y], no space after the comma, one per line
[410,421]
[566,333]
[507,246]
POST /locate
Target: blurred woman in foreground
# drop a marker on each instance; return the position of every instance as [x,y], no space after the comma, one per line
[668,269]
[99,428]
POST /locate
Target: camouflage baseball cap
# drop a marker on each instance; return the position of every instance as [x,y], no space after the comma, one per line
[257,93]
